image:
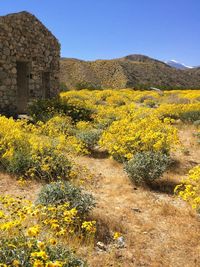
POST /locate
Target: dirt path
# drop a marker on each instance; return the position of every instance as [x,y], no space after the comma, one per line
[192,149]
[11,186]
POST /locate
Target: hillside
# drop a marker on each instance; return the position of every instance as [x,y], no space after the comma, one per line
[133,71]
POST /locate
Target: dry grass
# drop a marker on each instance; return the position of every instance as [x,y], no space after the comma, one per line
[10,185]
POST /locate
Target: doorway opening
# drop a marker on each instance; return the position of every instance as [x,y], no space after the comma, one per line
[22,86]
[45,85]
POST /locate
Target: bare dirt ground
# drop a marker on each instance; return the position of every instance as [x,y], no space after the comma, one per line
[159,229]
[10,185]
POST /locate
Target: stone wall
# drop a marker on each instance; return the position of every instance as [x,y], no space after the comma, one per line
[23,38]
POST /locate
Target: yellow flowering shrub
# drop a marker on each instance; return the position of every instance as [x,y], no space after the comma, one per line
[126,137]
[38,151]
[11,136]
[126,96]
[31,252]
[39,231]
[62,191]
[189,189]
[192,95]
[125,121]
[186,112]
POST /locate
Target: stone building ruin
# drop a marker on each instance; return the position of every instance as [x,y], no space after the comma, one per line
[29,62]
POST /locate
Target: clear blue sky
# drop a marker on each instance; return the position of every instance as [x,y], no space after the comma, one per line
[92,29]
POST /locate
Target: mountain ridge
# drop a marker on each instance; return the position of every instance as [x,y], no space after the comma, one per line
[132,71]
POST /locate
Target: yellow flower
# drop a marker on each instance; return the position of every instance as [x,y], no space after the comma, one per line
[116,235]
[38,263]
[41,245]
[89,226]
[53,241]
[189,189]
[53,264]
[16,263]
[40,254]
[33,231]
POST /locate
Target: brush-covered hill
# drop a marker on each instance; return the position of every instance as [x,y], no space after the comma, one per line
[133,71]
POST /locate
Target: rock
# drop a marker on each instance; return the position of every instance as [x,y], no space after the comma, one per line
[120,242]
[101,246]
[118,254]
[136,210]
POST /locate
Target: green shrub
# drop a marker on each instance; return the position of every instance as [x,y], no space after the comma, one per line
[151,103]
[8,111]
[50,165]
[198,137]
[106,122]
[146,167]
[17,252]
[63,87]
[45,109]
[89,137]
[190,116]
[20,163]
[145,98]
[196,123]
[88,86]
[47,164]
[61,192]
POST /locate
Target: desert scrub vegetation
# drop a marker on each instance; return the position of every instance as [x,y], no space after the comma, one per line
[34,234]
[189,189]
[146,167]
[78,121]
[124,138]
[137,128]
[28,252]
[129,123]
[38,234]
[44,109]
[38,151]
[88,133]
[61,192]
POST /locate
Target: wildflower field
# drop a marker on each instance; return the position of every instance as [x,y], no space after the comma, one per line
[89,150]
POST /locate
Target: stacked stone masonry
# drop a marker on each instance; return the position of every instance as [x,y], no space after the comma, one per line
[29,62]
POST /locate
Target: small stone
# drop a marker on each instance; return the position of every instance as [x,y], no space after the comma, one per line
[101,246]
[118,254]
[136,210]
[121,242]
[145,233]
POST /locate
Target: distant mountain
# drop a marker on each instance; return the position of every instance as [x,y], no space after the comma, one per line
[132,71]
[175,64]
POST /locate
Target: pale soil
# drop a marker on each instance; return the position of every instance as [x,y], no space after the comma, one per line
[10,186]
[161,231]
